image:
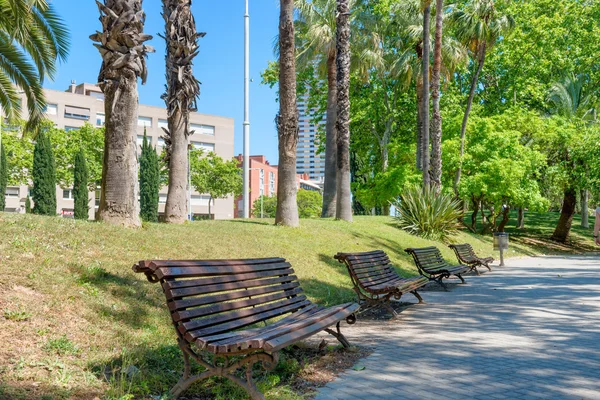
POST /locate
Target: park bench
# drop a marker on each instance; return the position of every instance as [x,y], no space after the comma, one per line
[376,282]
[430,263]
[216,307]
[466,255]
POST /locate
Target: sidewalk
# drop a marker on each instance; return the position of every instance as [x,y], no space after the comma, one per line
[530,330]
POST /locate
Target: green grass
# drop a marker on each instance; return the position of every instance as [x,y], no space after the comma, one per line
[78,317]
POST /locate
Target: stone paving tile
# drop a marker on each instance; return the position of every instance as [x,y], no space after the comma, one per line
[526,331]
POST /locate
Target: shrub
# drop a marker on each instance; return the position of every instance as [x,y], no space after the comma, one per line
[149,182]
[428,214]
[310,204]
[3,177]
[44,177]
[80,187]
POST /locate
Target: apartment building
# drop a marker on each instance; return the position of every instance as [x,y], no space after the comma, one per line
[308,161]
[84,103]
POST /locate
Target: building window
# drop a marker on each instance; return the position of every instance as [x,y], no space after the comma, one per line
[161,142]
[262,181]
[200,200]
[271,182]
[51,109]
[68,194]
[203,129]
[12,192]
[163,123]
[77,113]
[97,197]
[71,128]
[162,199]
[100,119]
[145,121]
[207,147]
[96,95]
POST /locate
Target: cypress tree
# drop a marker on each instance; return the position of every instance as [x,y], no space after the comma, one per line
[44,177]
[28,205]
[80,186]
[149,182]
[3,177]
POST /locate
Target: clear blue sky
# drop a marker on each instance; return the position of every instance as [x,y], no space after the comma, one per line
[219,66]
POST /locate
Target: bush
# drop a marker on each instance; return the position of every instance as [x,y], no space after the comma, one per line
[310,204]
[44,177]
[3,177]
[428,214]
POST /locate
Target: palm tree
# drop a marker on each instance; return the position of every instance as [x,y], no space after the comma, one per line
[478,26]
[287,119]
[121,44]
[182,90]
[316,32]
[436,126]
[573,98]
[424,105]
[344,195]
[32,38]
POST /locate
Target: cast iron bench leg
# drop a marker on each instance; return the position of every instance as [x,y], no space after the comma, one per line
[418,296]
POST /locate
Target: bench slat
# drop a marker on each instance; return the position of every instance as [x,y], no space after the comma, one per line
[164,272]
[206,289]
[183,283]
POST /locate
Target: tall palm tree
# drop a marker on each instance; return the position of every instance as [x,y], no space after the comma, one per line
[315,27]
[182,90]
[424,105]
[32,38]
[121,45]
[573,98]
[479,26]
[287,119]
[436,125]
[344,195]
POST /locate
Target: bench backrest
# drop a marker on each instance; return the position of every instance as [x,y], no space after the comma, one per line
[211,297]
[464,252]
[427,258]
[369,268]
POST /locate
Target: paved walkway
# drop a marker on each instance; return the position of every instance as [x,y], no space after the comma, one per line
[530,330]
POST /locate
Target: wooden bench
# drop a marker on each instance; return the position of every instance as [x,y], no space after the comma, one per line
[466,255]
[430,263]
[376,282]
[216,305]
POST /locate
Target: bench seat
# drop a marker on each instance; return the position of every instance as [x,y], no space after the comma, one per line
[430,263]
[466,255]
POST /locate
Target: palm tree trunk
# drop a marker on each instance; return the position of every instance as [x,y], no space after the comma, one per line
[182,90]
[419,87]
[584,209]
[425,105]
[561,233]
[344,195]
[121,45]
[463,129]
[287,120]
[436,126]
[330,185]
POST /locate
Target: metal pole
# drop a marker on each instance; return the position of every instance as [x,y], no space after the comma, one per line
[190,212]
[246,194]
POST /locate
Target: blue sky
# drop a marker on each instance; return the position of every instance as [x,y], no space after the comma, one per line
[219,66]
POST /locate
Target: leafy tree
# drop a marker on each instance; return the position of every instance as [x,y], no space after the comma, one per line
[32,38]
[212,175]
[287,119]
[121,45]
[80,187]
[3,177]
[309,205]
[43,191]
[149,182]
[182,90]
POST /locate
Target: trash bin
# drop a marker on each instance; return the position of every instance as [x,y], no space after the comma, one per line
[501,244]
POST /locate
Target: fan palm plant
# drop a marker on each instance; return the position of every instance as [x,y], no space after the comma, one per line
[121,45]
[182,91]
[32,39]
[479,26]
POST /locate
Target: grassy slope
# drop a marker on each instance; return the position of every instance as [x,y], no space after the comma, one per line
[73,306]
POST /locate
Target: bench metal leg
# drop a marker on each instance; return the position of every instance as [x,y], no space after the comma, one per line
[418,296]
[439,281]
[460,277]
[339,335]
[226,370]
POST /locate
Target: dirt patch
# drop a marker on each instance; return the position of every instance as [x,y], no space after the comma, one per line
[547,246]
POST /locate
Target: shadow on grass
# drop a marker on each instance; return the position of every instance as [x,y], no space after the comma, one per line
[42,391]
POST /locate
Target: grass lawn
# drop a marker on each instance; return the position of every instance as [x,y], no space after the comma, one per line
[75,318]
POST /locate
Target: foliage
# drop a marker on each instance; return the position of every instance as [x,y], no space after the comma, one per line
[423,212]
[149,182]
[212,175]
[80,187]
[309,205]
[43,191]
[3,177]
[32,38]
[28,205]
[19,152]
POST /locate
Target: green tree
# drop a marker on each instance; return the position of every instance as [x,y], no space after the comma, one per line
[214,176]
[309,205]
[3,177]
[80,187]
[123,52]
[28,205]
[32,38]
[43,191]
[149,182]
